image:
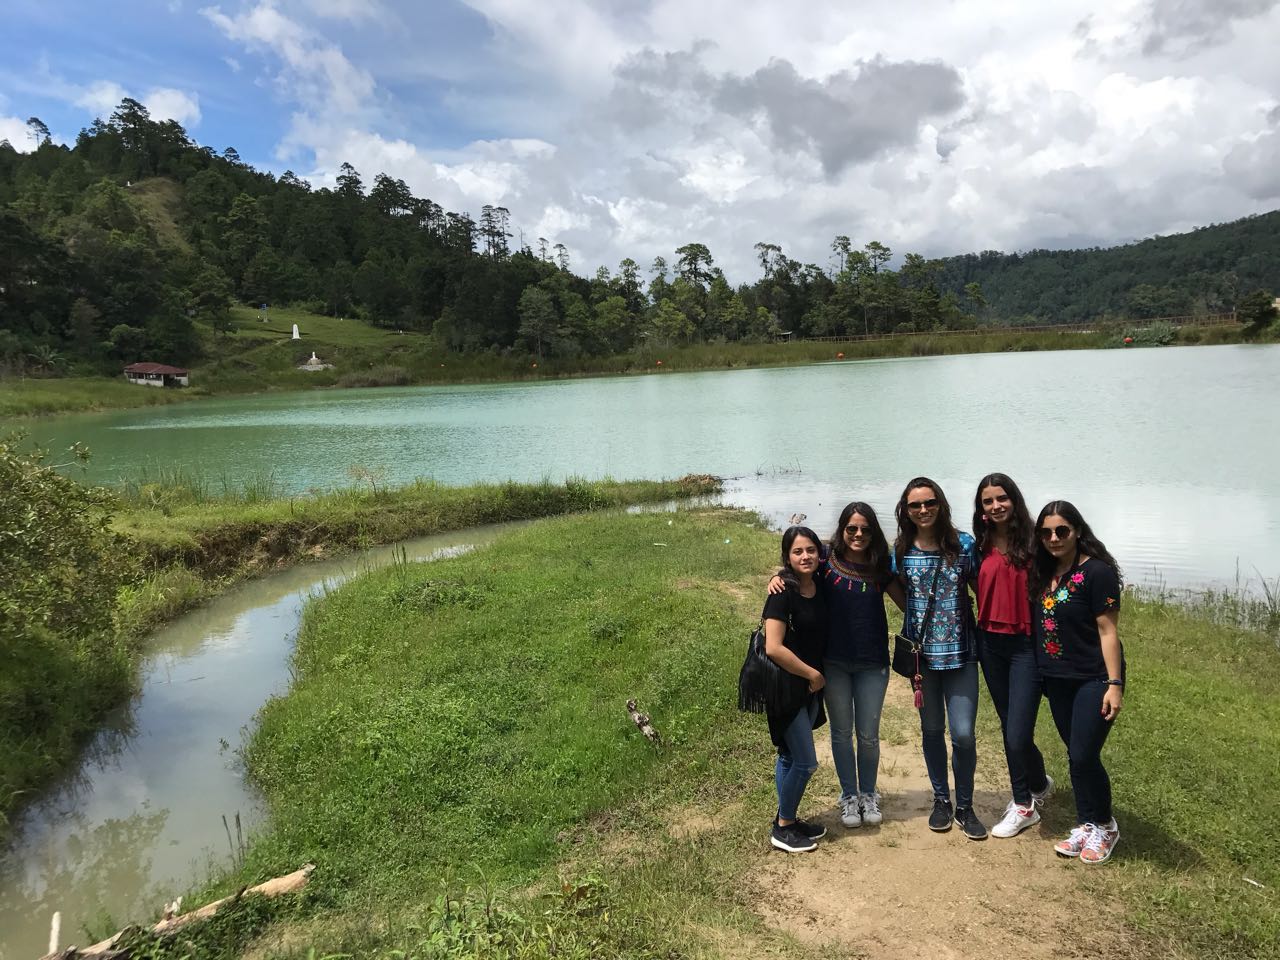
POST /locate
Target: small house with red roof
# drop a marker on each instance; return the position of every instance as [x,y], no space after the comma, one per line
[157,375]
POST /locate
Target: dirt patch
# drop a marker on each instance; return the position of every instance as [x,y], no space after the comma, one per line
[902,891]
[694,821]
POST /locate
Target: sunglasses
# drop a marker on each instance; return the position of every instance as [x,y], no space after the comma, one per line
[853,530]
[915,506]
[1062,531]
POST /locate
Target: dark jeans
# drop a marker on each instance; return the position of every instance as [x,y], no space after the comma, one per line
[1009,667]
[950,696]
[1076,706]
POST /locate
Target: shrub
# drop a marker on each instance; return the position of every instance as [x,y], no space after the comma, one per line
[60,661]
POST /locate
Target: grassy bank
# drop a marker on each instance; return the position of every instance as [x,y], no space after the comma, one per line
[190,545]
[461,723]
[260,357]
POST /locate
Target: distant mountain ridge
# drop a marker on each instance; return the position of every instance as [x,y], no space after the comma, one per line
[1205,270]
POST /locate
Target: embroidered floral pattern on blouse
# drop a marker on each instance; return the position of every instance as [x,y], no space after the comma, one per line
[1050,641]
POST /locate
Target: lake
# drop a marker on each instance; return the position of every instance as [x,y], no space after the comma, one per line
[1153,445]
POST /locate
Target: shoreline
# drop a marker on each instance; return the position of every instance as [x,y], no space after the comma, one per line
[37,398]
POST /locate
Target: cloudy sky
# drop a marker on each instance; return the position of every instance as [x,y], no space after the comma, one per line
[630,127]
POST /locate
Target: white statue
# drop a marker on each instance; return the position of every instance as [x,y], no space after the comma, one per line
[295,332]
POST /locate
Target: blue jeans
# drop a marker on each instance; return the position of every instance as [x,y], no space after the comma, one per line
[796,761]
[1076,706]
[1009,667]
[854,700]
[950,695]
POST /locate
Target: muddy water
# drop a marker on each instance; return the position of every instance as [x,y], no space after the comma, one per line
[143,817]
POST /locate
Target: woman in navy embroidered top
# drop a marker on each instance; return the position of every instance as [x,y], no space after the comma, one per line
[1002,528]
[933,559]
[856,577]
[1075,609]
[802,608]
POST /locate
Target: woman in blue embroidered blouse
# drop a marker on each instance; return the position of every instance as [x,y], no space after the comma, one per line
[934,559]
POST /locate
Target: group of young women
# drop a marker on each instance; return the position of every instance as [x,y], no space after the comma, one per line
[1048,600]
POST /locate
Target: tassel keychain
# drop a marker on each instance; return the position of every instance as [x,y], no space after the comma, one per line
[919,691]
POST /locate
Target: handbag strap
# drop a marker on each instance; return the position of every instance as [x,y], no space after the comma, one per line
[933,596]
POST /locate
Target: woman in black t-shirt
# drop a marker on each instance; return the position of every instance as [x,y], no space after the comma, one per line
[1075,607]
[797,650]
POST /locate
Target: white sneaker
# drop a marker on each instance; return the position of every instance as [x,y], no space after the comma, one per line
[871,815]
[850,812]
[1039,798]
[1016,819]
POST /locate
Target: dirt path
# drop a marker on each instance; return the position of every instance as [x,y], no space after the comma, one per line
[901,891]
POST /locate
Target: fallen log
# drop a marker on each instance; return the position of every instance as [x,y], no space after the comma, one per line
[641,720]
[107,950]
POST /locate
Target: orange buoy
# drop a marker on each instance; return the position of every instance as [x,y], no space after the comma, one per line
[1128,339]
[839,356]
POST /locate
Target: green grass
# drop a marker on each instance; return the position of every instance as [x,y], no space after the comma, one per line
[466,719]
[460,724]
[31,397]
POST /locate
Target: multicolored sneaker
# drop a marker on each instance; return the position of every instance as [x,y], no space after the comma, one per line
[1075,841]
[1102,840]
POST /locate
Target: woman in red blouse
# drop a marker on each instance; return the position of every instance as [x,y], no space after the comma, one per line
[1003,530]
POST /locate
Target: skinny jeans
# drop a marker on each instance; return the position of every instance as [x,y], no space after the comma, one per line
[855,697]
[797,760]
[1013,680]
[1076,706]
[950,699]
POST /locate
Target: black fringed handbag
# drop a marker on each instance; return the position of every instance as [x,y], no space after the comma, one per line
[763,686]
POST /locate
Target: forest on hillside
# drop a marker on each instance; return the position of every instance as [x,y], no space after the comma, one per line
[122,246]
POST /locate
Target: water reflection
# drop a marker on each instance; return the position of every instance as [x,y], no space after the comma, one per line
[66,866]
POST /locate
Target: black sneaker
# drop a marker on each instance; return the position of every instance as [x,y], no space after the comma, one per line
[970,824]
[940,819]
[791,840]
[814,831]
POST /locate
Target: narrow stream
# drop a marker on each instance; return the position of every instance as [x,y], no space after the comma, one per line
[143,815]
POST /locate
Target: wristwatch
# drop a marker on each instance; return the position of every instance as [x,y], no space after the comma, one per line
[1116,683]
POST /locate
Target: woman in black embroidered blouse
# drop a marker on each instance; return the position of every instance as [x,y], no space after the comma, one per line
[1075,608]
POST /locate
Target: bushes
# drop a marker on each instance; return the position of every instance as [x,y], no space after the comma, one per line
[60,661]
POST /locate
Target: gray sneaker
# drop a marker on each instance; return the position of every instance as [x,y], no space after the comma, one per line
[871,815]
[850,812]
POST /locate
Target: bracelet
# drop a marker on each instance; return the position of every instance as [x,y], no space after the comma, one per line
[1116,683]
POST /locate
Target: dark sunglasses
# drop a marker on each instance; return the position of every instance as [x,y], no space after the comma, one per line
[918,505]
[852,530]
[1063,532]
